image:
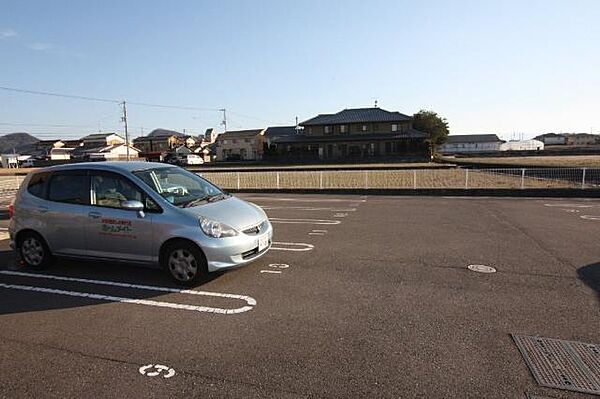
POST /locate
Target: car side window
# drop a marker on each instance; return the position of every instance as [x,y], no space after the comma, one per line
[69,187]
[110,190]
[37,183]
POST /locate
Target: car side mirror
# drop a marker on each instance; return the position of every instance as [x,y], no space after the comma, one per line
[133,205]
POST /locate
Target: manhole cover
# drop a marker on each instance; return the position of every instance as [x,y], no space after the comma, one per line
[555,363]
[482,269]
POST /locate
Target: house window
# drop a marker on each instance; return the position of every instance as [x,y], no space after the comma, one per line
[247,140]
[394,127]
[327,129]
[234,141]
[363,128]
[375,127]
[343,128]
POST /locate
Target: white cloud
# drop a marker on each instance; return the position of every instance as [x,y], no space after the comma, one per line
[40,46]
[6,33]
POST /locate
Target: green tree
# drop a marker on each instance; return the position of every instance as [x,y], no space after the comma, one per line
[430,122]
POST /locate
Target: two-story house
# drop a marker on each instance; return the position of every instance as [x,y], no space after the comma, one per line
[240,145]
[158,143]
[360,133]
[97,140]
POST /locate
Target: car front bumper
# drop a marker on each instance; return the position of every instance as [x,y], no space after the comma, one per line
[231,252]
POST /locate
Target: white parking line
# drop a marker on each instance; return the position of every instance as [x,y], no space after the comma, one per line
[306,199]
[249,300]
[296,246]
[590,217]
[316,234]
[304,221]
[271,271]
[570,205]
[308,208]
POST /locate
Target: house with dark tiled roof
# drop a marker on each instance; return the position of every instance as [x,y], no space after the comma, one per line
[359,133]
[470,143]
[274,132]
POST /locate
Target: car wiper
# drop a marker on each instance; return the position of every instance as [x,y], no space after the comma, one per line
[196,201]
[217,197]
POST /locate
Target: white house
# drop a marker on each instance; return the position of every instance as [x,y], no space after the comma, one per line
[522,145]
[9,160]
[102,140]
[60,153]
[113,152]
[470,143]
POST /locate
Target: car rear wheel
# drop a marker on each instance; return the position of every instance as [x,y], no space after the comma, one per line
[34,251]
[185,263]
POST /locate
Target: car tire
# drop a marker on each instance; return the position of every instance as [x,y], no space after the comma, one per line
[185,263]
[34,251]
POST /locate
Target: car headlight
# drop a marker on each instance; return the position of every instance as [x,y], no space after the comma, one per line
[215,229]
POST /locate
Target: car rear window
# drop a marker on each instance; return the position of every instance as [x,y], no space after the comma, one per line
[72,188]
[37,183]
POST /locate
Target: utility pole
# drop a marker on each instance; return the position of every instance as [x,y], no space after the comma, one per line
[224,122]
[297,128]
[124,120]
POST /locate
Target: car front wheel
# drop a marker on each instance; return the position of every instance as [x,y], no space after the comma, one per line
[185,263]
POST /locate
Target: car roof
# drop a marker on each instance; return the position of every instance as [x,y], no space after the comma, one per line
[120,166]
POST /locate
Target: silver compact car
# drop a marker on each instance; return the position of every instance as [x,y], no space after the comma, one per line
[139,212]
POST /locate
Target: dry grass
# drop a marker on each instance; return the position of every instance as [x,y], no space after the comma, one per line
[391,179]
[565,161]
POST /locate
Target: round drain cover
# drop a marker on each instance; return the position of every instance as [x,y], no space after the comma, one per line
[482,269]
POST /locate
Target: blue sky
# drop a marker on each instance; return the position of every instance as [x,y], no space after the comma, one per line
[487,66]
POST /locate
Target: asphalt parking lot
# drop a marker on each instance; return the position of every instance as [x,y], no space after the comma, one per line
[359,297]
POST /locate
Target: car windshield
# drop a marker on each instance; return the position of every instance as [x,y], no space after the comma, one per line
[180,187]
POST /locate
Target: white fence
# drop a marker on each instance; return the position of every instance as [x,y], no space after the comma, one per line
[506,178]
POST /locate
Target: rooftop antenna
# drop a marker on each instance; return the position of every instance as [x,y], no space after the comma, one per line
[297,127]
[375,103]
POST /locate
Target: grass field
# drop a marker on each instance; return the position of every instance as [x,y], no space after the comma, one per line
[564,161]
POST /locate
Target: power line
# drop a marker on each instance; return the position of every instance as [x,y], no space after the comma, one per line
[42,125]
[119,102]
[46,93]
[88,98]
[172,106]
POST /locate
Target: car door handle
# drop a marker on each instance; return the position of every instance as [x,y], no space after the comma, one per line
[94,215]
[43,209]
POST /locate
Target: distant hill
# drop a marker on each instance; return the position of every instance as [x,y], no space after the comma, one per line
[17,142]
[165,132]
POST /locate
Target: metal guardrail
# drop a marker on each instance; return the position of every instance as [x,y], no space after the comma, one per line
[500,178]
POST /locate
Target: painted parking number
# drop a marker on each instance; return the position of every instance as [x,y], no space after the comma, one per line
[154,370]
[276,268]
